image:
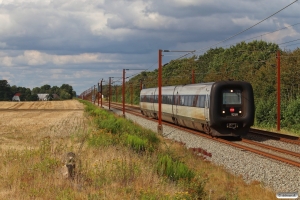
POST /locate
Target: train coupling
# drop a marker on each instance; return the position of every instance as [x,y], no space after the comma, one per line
[232,125]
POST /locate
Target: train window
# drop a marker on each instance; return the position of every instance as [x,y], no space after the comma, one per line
[186,99]
[190,100]
[195,99]
[187,102]
[177,100]
[232,97]
[166,99]
[182,99]
[201,101]
[170,99]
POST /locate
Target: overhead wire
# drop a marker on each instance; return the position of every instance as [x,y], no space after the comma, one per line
[189,53]
[239,33]
[267,33]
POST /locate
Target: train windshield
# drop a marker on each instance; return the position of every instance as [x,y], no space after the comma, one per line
[232,97]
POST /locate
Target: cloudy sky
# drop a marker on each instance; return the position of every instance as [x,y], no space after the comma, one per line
[79,42]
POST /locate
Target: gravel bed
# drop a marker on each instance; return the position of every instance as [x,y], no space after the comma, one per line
[273,174]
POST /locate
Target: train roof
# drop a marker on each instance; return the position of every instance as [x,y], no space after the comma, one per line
[187,85]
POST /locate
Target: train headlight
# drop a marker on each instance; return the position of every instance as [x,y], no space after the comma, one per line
[223,111]
[240,111]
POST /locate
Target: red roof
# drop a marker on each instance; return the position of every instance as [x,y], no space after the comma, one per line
[18,94]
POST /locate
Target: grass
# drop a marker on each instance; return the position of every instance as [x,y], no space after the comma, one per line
[127,162]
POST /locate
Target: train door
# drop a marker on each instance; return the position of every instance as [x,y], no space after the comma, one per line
[153,101]
[206,109]
[176,100]
[175,105]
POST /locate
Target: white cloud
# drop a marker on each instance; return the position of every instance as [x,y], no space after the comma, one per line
[7,76]
[6,61]
[37,58]
[279,36]
[6,23]
[57,39]
[244,21]
[180,3]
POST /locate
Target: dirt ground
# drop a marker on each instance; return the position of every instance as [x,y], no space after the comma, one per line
[24,124]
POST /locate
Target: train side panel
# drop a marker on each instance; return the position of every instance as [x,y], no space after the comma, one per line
[147,102]
[190,105]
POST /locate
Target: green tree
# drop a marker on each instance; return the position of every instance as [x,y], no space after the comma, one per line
[67,88]
[55,90]
[64,95]
[45,89]
[5,91]
[36,90]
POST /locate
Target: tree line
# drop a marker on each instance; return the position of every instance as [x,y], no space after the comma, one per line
[255,62]
[65,91]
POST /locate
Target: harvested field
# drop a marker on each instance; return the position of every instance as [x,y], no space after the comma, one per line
[25,124]
[36,137]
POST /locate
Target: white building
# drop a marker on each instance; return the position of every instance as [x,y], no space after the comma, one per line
[16,97]
[43,97]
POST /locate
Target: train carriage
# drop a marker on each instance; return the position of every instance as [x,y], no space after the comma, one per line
[224,108]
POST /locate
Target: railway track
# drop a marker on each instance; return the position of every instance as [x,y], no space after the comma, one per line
[279,154]
[276,136]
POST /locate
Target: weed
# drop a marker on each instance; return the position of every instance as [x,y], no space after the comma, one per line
[173,169]
[136,143]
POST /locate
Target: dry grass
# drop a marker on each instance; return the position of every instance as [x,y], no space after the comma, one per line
[33,145]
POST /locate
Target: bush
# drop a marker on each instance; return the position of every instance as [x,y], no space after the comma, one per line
[173,169]
[291,115]
[136,143]
[266,112]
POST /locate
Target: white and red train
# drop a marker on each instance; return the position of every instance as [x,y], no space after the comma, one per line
[224,108]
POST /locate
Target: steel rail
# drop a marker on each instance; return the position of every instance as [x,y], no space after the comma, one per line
[277,136]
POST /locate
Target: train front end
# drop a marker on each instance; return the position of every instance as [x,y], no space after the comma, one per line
[231,108]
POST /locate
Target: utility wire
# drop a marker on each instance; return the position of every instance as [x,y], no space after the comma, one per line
[289,41]
[247,28]
[233,36]
[268,33]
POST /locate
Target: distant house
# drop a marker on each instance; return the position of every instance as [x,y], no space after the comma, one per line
[16,97]
[55,97]
[43,97]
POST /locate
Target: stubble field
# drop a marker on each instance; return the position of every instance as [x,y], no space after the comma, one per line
[36,136]
[25,124]
[33,137]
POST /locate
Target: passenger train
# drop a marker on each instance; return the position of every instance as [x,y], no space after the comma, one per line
[224,108]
